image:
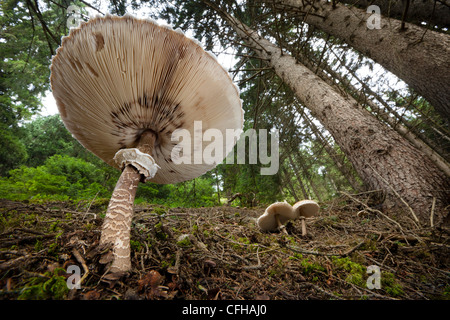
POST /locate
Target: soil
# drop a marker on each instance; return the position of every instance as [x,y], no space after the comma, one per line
[219,253]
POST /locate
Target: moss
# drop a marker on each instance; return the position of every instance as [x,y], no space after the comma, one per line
[135,245]
[296,256]
[390,285]
[206,233]
[159,232]
[370,245]
[184,242]
[89,226]
[159,211]
[310,267]
[54,226]
[38,246]
[244,240]
[49,286]
[356,279]
[348,265]
[446,293]
[53,249]
[356,273]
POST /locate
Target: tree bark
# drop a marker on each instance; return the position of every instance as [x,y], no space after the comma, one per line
[383,159]
[417,139]
[418,56]
[430,11]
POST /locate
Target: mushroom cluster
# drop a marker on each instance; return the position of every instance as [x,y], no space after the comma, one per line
[278,213]
[123,86]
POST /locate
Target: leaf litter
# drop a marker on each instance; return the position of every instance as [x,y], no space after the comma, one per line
[219,253]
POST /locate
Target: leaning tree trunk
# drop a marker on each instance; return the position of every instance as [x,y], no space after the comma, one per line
[416,138]
[431,11]
[383,159]
[418,56]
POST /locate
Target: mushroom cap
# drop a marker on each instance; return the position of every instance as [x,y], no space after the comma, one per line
[268,222]
[116,77]
[306,208]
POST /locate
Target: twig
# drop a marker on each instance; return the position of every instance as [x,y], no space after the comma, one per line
[258,266]
[371,209]
[81,260]
[89,207]
[432,212]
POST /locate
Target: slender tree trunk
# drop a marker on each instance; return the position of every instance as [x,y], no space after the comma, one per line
[309,179]
[333,155]
[418,56]
[290,186]
[383,159]
[300,182]
[431,11]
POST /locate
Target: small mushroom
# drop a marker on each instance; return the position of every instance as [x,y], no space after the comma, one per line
[305,209]
[123,86]
[275,216]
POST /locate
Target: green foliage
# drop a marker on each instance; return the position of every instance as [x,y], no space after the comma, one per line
[45,137]
[51,285]
[198,192]
[60,178]
[12,151]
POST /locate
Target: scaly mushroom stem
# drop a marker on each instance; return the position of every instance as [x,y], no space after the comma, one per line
[117,224]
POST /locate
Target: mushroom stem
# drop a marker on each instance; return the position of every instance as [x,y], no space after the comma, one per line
[117,224]
[280,226]
[277,219]
[303,226]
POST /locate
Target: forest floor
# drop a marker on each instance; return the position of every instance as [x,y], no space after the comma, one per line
[220,253]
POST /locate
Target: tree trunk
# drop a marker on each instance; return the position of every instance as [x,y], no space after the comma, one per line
[418,56]
[289,183]
[383,159]
[430,11]
[296,174]
[333,155]
[309,179]
[416,138]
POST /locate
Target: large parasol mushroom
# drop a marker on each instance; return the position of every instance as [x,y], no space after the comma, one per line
[123,86]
